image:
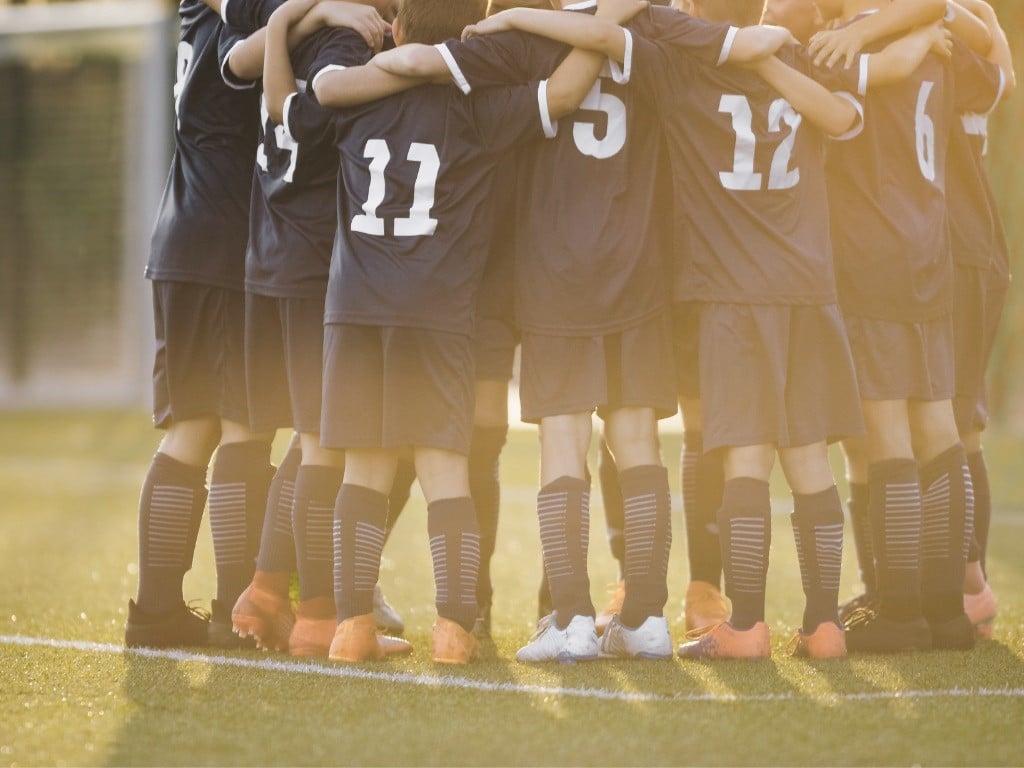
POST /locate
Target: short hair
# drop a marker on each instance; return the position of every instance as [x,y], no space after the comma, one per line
[739,12]
[495,6]
[434,21]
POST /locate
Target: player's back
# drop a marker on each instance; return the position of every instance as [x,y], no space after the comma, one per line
[748,172]
[414,200]
[887,193]
[201,228]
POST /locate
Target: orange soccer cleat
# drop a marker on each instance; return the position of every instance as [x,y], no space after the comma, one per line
[617,594]
[356,639]
[453,644]
[723,641]
[705,606]
[264,611]
[315,623]
[827,641]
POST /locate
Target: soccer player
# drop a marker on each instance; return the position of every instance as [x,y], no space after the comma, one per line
[413,228]
[196,265]
[896,286]
[591,301]
[292,226]
[981,262]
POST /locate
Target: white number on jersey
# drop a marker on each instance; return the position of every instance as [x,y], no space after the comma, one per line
[284,142]
[925,130]
[585,133]
[976,125]
[743,177]
[181,71]
[419,221]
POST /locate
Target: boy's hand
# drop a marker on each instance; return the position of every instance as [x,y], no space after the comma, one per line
[942,40]
[830,46]
[499,22]
[620,11]
[360,18]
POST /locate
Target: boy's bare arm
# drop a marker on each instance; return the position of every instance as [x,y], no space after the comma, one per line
[758,42]
[246,59]
[898,60]
[359,85]
[415,60]
[278,75]
[829,47]
[1000,52]
[833,114]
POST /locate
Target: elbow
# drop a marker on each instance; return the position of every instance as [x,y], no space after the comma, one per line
[1011,84]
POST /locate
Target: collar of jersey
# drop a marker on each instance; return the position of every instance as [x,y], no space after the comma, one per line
[580,6]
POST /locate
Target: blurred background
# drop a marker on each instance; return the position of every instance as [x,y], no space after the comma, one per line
[85,110]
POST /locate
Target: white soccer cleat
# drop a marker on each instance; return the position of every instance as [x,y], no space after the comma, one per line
[651,640]
[386,617]
[577,642]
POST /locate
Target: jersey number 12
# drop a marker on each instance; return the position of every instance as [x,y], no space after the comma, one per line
[742,176]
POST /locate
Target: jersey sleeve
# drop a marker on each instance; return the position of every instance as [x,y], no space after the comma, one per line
[506,58]
[978,82]
[230,38]
[849,83]
[707,42]
[504,116]
[646,64]
[335,48]
[305,121]
[248,15]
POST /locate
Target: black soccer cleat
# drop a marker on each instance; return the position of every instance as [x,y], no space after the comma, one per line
[220,633]
[181,626]
[865,600]
[867,631]
[956,634]
[482,625]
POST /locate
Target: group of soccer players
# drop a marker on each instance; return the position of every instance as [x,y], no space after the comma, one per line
[772,216]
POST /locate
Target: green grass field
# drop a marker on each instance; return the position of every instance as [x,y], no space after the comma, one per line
[69,486]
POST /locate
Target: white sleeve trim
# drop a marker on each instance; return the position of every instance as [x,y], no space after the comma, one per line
[550,127]
[453,68]
[730,38]
[950,14]
[622,74]
[862,81]
[229,77]
[224,10]
[858,124]
[324,71]
[285,112]
[999,92]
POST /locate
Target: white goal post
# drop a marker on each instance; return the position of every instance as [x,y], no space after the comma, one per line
[85,144]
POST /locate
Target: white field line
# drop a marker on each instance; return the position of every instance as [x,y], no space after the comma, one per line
[462,683]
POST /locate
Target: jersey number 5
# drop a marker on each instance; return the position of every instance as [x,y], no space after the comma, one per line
[419,221]
[742,176]
[585,134]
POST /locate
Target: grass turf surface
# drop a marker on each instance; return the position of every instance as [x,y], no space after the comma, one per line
[70,484]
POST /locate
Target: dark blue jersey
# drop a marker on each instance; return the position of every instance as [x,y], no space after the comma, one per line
[415,198]
[202,224]
[593,233]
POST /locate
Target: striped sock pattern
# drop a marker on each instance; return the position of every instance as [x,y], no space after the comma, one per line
[277,545]
[894,509]
[455,551]
[745,524]
[648,514]
[563,509]
[982,507]
[935,519]
[818,530]
[360,520]
[312,519]
[948,511]
[903,526]
[826,544]
[170,511]
[227,522]
[969,510]
[319,539]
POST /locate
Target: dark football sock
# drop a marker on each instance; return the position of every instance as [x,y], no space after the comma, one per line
[614,511]
[894,508]
[947,511]
[818,529]
[982,508]
[316,494]
[563,508]
[239,484]
[860,521]
[745,526]
[702,496]
[648,534]
[170,510]
[485,489]
[455,550]
[277,545]
[360,517]
[401,488]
